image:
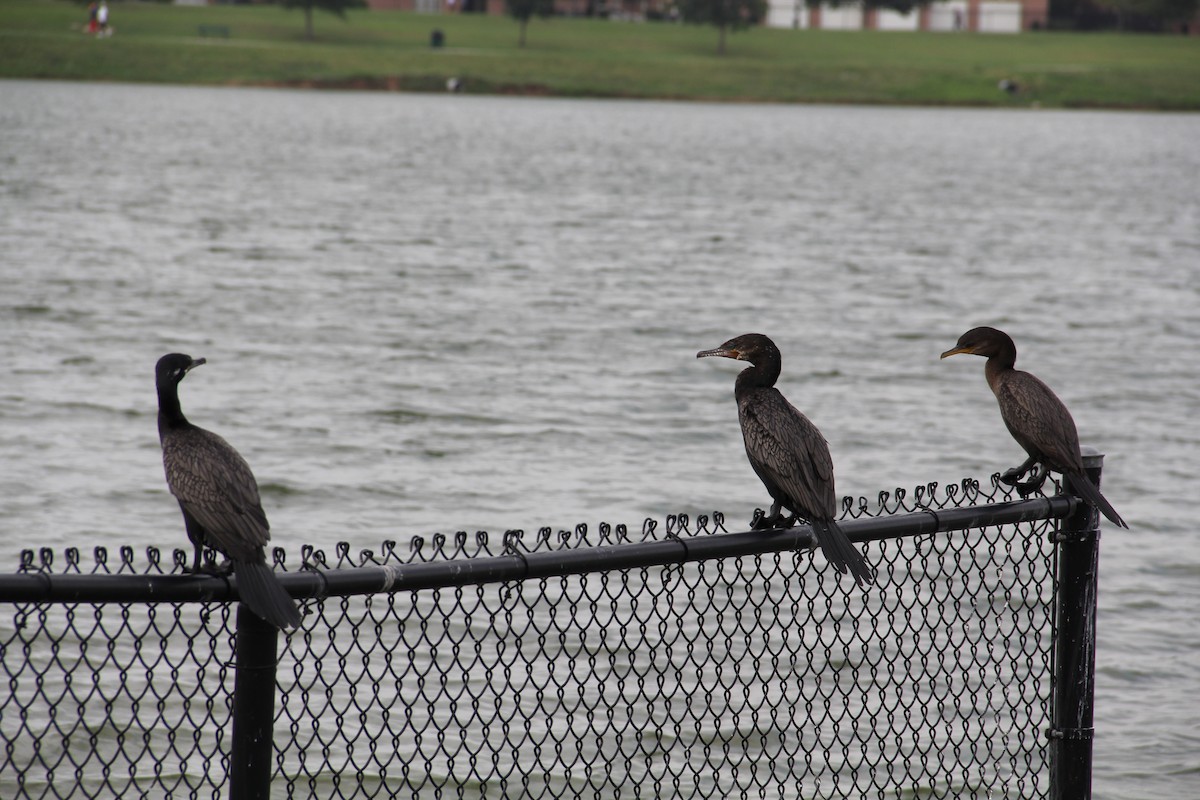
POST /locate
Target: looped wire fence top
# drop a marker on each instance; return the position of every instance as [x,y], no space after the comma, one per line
[752,676]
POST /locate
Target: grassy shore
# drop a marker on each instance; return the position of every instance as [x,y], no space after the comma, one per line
[596,58]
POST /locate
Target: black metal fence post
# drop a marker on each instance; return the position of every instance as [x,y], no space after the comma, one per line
[253,708]
[1075,647]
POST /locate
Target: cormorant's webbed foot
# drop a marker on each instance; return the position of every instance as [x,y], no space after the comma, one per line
[762,522]
[1016,473]
[209,566]
[1032,485]
[1011,476]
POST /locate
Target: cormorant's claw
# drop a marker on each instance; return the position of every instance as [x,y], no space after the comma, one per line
[1016,473]
[1013,475]
[211,567]
[763,522]
[1029,487]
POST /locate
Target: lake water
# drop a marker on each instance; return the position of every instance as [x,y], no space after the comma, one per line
[428,313]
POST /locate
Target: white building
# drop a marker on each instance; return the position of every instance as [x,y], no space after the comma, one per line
[980,16]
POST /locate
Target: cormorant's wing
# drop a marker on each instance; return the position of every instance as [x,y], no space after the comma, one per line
[783,444]
[1039,421]
[215,484]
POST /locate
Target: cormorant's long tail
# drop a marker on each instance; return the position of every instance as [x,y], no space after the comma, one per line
[1092,494]
[260,590]
[841,552]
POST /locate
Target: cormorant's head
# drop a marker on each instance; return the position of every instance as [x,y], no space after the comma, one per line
[984,341]
[172,367]
[752,347]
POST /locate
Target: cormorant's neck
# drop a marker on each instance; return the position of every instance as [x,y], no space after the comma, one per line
[758,376]
[170,415]
[999,364]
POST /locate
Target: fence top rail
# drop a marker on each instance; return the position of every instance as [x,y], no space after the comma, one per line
[37,585]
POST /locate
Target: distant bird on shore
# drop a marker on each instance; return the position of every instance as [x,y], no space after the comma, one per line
[219,498]
[788,453]
[1035,417]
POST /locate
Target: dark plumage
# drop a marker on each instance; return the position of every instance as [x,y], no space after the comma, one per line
[219,497]
[787,452]
[1035,417]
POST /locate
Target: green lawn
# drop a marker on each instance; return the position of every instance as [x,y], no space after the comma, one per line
[578,57]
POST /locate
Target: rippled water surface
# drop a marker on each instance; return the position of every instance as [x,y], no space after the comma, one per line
[433,313]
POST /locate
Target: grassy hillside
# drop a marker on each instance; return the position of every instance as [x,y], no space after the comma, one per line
[579,57]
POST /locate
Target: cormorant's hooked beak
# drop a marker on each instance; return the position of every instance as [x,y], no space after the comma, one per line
[955,351]
[719,351]
[195,363]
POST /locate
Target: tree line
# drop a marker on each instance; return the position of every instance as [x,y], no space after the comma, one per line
[733,15]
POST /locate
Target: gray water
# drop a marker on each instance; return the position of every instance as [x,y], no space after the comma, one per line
[428,313]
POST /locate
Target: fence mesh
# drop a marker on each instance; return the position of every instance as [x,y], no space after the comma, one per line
[741,677]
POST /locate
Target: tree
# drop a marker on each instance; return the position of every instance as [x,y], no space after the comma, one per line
[523,10]
[1149,14]
[1139,15]
[902,6]
[337,7]
[724,14]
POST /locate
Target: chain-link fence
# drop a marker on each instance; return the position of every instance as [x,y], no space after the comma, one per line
[673,661]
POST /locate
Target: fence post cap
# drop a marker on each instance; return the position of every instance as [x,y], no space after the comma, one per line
[1092,458]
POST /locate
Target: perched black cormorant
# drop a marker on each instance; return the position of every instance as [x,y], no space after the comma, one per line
[788,453]
[1035,417]
[219,497]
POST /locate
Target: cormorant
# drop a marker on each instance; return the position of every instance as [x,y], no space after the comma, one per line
[1035,417]
[788,453]
[219,498]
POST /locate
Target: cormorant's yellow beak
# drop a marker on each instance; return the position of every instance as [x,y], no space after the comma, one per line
[955,351]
